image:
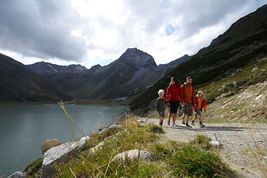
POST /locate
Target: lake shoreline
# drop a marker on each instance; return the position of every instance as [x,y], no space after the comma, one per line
[91,118]
[78,102]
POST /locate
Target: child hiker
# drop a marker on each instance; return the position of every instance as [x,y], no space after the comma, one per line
[160,105]
[199,107]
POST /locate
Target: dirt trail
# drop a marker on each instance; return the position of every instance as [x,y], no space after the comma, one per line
[244,146]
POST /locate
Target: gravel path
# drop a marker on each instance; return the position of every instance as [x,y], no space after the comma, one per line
[244,146]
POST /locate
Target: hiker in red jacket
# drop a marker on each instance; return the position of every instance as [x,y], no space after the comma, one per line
[173,99]
[187,100]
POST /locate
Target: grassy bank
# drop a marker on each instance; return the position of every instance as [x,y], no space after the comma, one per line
[171,159]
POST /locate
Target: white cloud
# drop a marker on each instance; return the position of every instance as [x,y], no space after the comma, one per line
[166,29]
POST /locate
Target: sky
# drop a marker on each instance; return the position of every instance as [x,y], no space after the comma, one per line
[91,32]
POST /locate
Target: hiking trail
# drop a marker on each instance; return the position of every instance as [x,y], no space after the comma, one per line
[243,146]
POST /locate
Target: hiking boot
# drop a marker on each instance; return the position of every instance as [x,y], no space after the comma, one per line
[174,125]
[187,125]
[161,123]
[202,125]
[183,122]
[193,123]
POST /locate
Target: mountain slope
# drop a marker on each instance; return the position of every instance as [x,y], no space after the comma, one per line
[242,45]
[17,83]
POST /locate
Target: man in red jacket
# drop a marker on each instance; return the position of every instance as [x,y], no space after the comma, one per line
[187,99]
[173,99]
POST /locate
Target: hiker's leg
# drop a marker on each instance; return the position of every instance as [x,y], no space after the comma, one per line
[169,119]
[161,121]
[186,118]
[174,118]
[200,118]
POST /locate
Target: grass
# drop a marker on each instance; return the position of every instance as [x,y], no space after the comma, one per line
[247,74]
[194,159]
[155,129]
[33,170]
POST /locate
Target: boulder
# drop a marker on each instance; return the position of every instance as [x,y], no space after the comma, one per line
[17,174]
[134,154]
[49,144]
[59,153]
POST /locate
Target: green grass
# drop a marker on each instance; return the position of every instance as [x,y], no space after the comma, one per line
[33,170]
[201,141]
[195,162]
[155,129]
[194,159]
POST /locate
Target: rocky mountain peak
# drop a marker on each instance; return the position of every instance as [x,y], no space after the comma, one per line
[137,58]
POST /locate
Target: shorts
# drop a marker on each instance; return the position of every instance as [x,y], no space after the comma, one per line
[187,109]
[161,113]
[174,107]
[198,112]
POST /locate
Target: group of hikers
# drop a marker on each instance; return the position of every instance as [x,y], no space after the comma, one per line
[181,99]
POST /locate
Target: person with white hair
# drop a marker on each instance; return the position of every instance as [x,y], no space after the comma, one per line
[160,105]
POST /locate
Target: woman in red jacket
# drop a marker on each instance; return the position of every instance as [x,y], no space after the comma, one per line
[173,99]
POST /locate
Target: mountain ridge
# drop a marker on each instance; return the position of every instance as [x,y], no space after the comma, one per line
[18,84]
[134,69]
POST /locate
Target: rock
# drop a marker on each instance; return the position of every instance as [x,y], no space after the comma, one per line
[97,147]
[141,122]
[59,153]
[17,174]
[49,144]
[112,126]
[214,143]
[254,69]
[134,154]
[232,86]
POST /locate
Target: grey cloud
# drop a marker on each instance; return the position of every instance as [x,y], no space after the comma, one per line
[41,29]
[193,15]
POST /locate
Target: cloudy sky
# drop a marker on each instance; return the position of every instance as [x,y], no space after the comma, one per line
[93,32]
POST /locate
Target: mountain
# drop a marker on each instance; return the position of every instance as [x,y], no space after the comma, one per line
[132,72]
[46,68]
[114,80]
[65,78]
[240,48]
[18,83]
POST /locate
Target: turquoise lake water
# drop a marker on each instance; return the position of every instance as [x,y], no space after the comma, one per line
[23,128]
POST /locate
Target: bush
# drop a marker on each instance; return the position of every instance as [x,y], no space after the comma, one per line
[196,162]
[201,141]
[155,129]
